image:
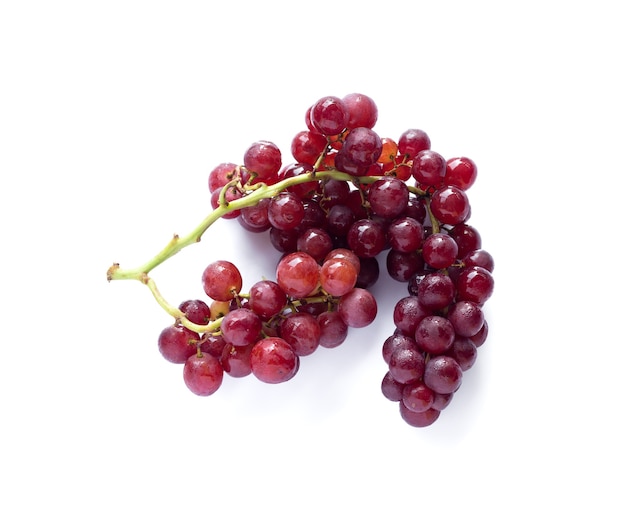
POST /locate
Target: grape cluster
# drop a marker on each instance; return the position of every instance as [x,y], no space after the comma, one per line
[349,201]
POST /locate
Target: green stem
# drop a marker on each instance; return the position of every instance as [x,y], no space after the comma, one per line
[176,313]
[261,191]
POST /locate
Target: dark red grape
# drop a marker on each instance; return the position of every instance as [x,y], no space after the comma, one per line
[443,374]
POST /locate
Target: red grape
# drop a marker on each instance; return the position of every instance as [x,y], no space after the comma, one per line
[298,274]
[264,159]
[177,343]
[221,280]
[333,330]
[357,308]
[329,115]
[203,374]
[273,360]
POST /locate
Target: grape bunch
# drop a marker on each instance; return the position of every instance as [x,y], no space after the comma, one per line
[349,201]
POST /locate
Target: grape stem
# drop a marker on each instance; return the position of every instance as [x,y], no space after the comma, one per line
[256,193]
[260,191]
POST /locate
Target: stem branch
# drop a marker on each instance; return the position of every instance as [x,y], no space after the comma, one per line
[261,191]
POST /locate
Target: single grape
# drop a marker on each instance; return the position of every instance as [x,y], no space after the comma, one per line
[203,374]
[389,151]
[302,332]
[329,115]
[429,168]
[443,374]
[403,266]
[285,241]
[366,237]
[406,365]
[464,352]
[219,309]
[405,234]
[412,142]
[221,280]
[285,211]
[362,110]
[436,290]
[357,308]
[339,220]
[177,343]
[440,250]
[196,311]
[236,360]
[407,314]
[417,397]
[333,330]
[264,159]
[388,197]
[461,172]
[475,284]
[266,299]
[391,389]
[466,237]
[314,216]
[254,218]
[362,147]
[307,146]
[450,205]
[396,341]
[212,344]
[298,274]
[241,327]
[466,317]
[416,209]
[338,276]
[315,242]
[368,273]
[434,334]
[334,192]
[441,401]
[355,201]
[273,360]
[479,258]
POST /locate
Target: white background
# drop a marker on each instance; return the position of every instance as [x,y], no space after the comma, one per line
[111,116]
